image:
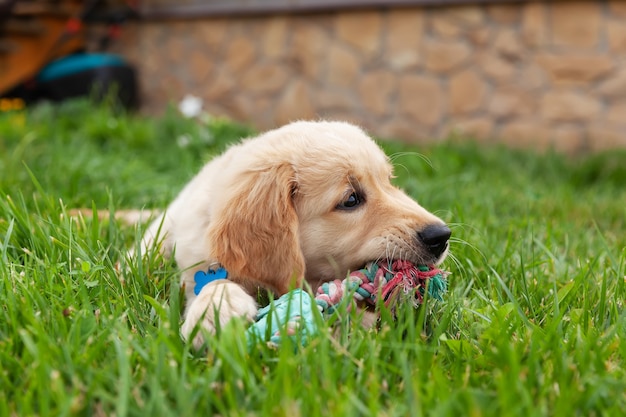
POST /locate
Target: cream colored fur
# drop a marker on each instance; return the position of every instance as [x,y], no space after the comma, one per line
[267,210]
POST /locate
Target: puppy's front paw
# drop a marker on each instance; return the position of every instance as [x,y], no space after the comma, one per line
[218,302]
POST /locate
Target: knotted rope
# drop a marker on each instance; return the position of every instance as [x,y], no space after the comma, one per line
[292,315]
[384,280]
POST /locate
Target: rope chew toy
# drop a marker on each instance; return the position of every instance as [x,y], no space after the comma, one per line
[292,315]
[387,280]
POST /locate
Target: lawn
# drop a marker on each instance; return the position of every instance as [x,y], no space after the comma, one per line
[532,324]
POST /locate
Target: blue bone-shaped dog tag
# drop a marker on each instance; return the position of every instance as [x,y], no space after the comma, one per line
[202,278]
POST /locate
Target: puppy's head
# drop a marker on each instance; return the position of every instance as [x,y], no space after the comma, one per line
[314,200]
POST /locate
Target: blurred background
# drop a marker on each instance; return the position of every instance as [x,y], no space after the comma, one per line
[530,74]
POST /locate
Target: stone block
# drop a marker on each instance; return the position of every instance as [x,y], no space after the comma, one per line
[617,8]
[532,77]
[507,45]
[174,49]
[525,135]
[343,66]
[221,85]
[478,128]
[576,24]
[264,78]
[511,102]
[245,107]
[212,33]
[603,138]
[240,54]
[350,116]
[150,62]
[495,67]
[274,37]
[332,100]
[467,92]
[616,35]
[294,104]
[361,30]
[575,68]
[309,49]
[200,66]
[441,57]
[375,90]
[567,139]
[614,87]
[534,27]
[444,27]
[404,129]
[421,98]
[569,106]
[616,113]
[479,37]
[505,14]
[471,15]
[405,30]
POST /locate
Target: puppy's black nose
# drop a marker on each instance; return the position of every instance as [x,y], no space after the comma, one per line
[435,238]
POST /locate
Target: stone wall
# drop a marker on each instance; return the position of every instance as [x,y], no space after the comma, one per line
[530,74]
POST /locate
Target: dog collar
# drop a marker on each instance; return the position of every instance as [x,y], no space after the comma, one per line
[202,278]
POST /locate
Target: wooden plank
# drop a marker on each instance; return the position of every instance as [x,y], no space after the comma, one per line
[28,27]
[43,8]
[177,9]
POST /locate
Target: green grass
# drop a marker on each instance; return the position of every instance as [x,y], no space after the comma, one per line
[532,325]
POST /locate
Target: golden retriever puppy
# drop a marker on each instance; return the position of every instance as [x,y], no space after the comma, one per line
[308,201]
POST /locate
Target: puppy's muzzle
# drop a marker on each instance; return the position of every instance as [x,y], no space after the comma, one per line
[435,238]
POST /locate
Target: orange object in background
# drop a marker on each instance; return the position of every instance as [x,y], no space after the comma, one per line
[11,104]
[34,33]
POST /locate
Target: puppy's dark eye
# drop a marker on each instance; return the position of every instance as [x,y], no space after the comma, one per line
[353,201]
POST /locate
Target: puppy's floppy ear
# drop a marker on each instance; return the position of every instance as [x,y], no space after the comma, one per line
[254,235]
